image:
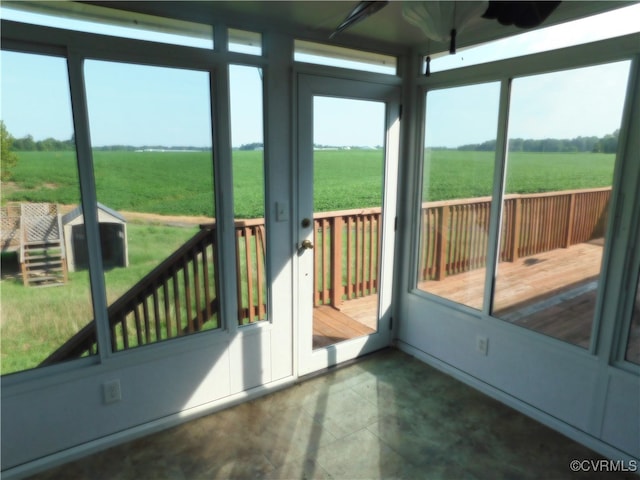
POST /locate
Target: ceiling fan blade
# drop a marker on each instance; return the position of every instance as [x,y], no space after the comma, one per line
[361,11]
[523,14]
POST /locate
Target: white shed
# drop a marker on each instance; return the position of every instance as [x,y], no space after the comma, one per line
[113,238]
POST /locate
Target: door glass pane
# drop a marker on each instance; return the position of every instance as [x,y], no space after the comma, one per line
[39,187]
[248,192]
[151,139]
[562,147]
[633,343]
[348,167]
[460,140]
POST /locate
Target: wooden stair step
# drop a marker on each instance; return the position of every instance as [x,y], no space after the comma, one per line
[41,244]
[49,282]
[39,273]
[43,260]
[43,264]
[44,278]
[43,269]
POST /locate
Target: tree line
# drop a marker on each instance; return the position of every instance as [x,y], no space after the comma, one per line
[28,144]
[606,144]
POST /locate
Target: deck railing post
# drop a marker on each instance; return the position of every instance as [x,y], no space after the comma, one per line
[337,288]
[239,276]
[442,239]
[517,228]
[570,219]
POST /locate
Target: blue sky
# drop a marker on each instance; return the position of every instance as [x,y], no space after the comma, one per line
[128,104]
[569,104]
[159,106]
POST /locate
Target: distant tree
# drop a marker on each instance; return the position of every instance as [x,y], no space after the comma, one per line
[251,146]
[516,144]
[607,144]
[8,158]
[28,144]
[25,144]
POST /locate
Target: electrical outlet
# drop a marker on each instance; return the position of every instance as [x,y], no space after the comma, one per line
[111,392]
[482,344]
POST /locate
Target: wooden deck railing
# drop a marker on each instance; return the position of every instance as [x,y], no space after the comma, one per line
[346,254]
[176,298]
[250,269]
[179,296]
[454,232]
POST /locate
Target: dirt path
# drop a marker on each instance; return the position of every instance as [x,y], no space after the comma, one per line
[170,220]
[138,217]
[153,218]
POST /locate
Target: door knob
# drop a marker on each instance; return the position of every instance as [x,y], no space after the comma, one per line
[306,245]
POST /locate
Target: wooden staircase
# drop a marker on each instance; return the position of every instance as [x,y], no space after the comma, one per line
[43,263]
[42,254]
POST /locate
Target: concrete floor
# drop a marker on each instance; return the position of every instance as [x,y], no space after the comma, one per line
[386,416]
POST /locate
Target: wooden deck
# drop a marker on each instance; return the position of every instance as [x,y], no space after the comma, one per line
[352,319]
[552,292]
[332,326]
[525,280]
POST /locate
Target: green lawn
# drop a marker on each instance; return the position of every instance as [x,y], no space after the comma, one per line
[179,183]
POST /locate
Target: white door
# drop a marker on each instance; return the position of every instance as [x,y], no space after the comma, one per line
[348,141]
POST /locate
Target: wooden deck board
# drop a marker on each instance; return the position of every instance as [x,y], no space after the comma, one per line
[332,326]
[363,310]
[552,292]
[527,279]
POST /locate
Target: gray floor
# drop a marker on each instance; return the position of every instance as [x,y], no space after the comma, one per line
[386,416]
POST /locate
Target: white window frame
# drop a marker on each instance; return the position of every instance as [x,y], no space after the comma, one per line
[76,47]
[585,55]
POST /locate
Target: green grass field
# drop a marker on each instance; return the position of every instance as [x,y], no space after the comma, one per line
[179,183]
[457,174]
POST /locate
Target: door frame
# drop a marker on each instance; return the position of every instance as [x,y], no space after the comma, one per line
[308,86]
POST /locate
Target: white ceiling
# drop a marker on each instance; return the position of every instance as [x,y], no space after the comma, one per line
[386,30]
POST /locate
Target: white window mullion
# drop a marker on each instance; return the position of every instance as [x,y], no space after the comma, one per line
[499,172]
[223,187]
[89,201]
[621,258]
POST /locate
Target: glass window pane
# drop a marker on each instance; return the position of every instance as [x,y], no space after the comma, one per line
[39,188]
[348,178]
[248,191]
[460,140]
[151,138]
[563,137]
[633,343]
